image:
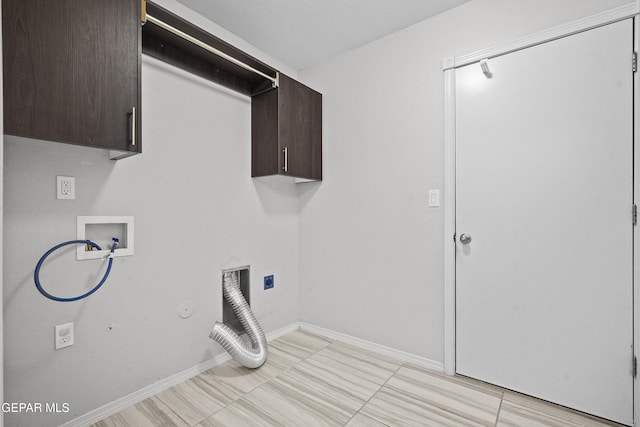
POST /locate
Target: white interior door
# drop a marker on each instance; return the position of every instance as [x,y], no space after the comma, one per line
[544,188]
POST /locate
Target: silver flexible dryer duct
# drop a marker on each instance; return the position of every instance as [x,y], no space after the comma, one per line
[251,357]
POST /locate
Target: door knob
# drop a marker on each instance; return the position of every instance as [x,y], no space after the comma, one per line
[465,238]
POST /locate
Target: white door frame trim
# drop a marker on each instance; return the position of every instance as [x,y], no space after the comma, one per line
[449,190]
[584,24]
[636,239]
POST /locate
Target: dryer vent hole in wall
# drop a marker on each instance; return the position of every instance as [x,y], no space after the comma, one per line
[251,353]
[229,317]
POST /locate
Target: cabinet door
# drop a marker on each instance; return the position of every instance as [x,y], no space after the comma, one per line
[266,158]
[72,71]
[300,123]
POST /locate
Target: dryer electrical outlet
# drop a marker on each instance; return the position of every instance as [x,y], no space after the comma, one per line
[268,282]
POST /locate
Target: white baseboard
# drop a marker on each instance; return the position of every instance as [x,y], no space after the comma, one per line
[378,348]
[283,331]
[144,393]
[159,386]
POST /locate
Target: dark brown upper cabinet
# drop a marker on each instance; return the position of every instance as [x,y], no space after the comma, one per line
[72,71]
[286,121]
[286,131]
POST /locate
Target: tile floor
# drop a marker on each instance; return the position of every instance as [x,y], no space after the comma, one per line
[309,380]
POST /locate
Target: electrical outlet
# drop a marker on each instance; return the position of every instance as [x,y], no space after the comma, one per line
[66,187]
[63,335]
[268,282]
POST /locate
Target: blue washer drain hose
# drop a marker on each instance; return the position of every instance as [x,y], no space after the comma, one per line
[36,274]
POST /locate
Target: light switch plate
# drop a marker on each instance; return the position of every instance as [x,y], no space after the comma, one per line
[434,198]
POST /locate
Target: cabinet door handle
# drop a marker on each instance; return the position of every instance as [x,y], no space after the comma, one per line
[286,159]
[133,126]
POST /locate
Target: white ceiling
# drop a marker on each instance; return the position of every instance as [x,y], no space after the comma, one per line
[301,33]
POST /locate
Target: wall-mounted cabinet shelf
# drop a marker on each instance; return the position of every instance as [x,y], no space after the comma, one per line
[72,71]
[168,47]
[286,121]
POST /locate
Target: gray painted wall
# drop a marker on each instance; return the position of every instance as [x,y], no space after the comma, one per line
[370,247]
[197,211]
[362,234]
